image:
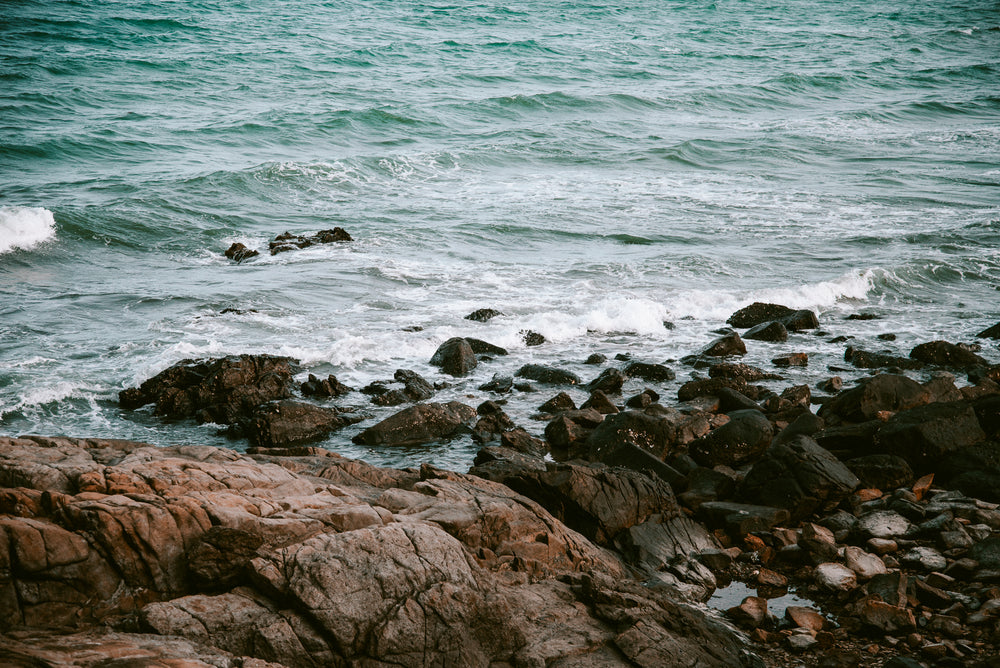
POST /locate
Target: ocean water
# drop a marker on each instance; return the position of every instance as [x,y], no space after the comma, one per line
[590,169]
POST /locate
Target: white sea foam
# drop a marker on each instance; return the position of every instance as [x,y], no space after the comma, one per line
[25,227]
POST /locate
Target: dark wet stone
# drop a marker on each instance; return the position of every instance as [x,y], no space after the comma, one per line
[757,313]
[884,392]
[741,440]
[557,404]
[281,423]
[421,423]
[481,347]
[548,374]
[767,331]
[483,314]
[455,357]
[610,381]
[499,384]
[596,358]
[651,373]
[926,434]
[531,338]
[726,345]
[863,359]
[881,471]
[330,387]
[239,252]
[950,355]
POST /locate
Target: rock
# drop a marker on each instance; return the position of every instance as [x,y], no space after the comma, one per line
[281,423]
[421,423]
[792,359]
[651,373]
[863,359]
[492,425]
[730,400]
[610,381]
[288,241]
[751,613]
[887,618]
[547,374]
[800,476]
[865,565]
[600,402]
[742,439]
[521,441]
[805,618]
[570,429]
[882,524]
[631,456]
[848,441]
[767,331]
[884,392]
[831,385]
[331,387]
[222,390]
[806,424]
[800,320]
[924,558]
[819,541]
[651,434]
[757,313]
[705,484]
[949,355]
[557,404]
[835,577]
[484,348]
[217,561]
[800,642]
[740,372]
[987,553]
[990,332]
[924,435]
[455,357]
[644,399]
[726,345]
[666,547]
[239,252]
[499,384]
[881,471]
[483,314]
[596,358]
[942,387]
[531,338]
[415,387]
[740,519]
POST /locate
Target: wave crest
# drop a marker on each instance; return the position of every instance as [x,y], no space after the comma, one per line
[23,227]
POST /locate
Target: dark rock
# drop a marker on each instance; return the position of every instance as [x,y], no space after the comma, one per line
[726,345]
[757,313]
[288,241]
[950,355]
[331,387]
[481,347]
[222,390]
[709,386]
[988,414]
[739,519]
[885,472]
[499,384]
[600,402]
[924,435]
[831,385]
[652,434]
[849,440]
[571,428]
[557,404]
[741,440]
[337,234]
[800,476]
[547,374]
[863,316]
[863,359]
[884,392]
[942,388]
[414,385]
[767,331]
[596,358]
[651,373]
[483,314]
[455,357]
[647,397]
[797,321]
[521,441]
[281,423]
[705,484]
[216,562]
[741,372]
[631,456]
[990,332]
[791,359]
[730,400]
[610,381]
[492,425]
[987,553]
[421,423]
[531,338]
[239,252]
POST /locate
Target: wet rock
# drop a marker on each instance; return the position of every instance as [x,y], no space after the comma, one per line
[492,425]
[222,390]
[865,565]
[610,381]
[421,423]
[800,320]
[791,359]
[742,439]
[924,558]
[646,398]
[987,553]
[705,484]
[531,338]
[990,332]
[945,354]
[651,373]
[483,314]
[499,384]
[730,400]
[739,519]
[652,434]
[881,471]
[547,374]
[835,577]
[884,392]
[819,542]
[521,441]
[757,313]
[767,331]
[288,241]
[726,345]
[887,618]
[800,476]
[329,387]
[831,385]
[218,559]
[455,357]
[281,423]
[740,372]
[751,613]
[924,435]
[239,252]
[558,404]
[600,402]
[596,358]
[864,359]
[805,618]
[484,348]
[709,386]
[882,524]
[570,430]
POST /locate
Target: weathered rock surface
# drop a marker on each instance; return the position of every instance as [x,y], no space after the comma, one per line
[884,392]
[757,313]
[420,423]
[288,241]
[741,440]
[331,562]
[547,374]
[950,355]
[455,357]
[281,423]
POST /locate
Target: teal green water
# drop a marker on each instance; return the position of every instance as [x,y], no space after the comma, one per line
[590,169]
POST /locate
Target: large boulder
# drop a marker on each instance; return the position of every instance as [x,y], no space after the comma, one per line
[653,373]
[741,440]
[767,331]
[420,423]
[757,313]
[610,381]
[648,432]
[726,345]
[949,355]
[800,476]
[884,392]
[455,357]
[924,435]
[547,374]
[881,471]
[222,390]
[282,423]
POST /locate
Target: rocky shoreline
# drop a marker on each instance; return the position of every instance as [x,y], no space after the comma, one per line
[594,545]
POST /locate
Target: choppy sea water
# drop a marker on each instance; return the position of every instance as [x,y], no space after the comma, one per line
[591,170]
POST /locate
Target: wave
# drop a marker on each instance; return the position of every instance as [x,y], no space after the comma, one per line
[23,227]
